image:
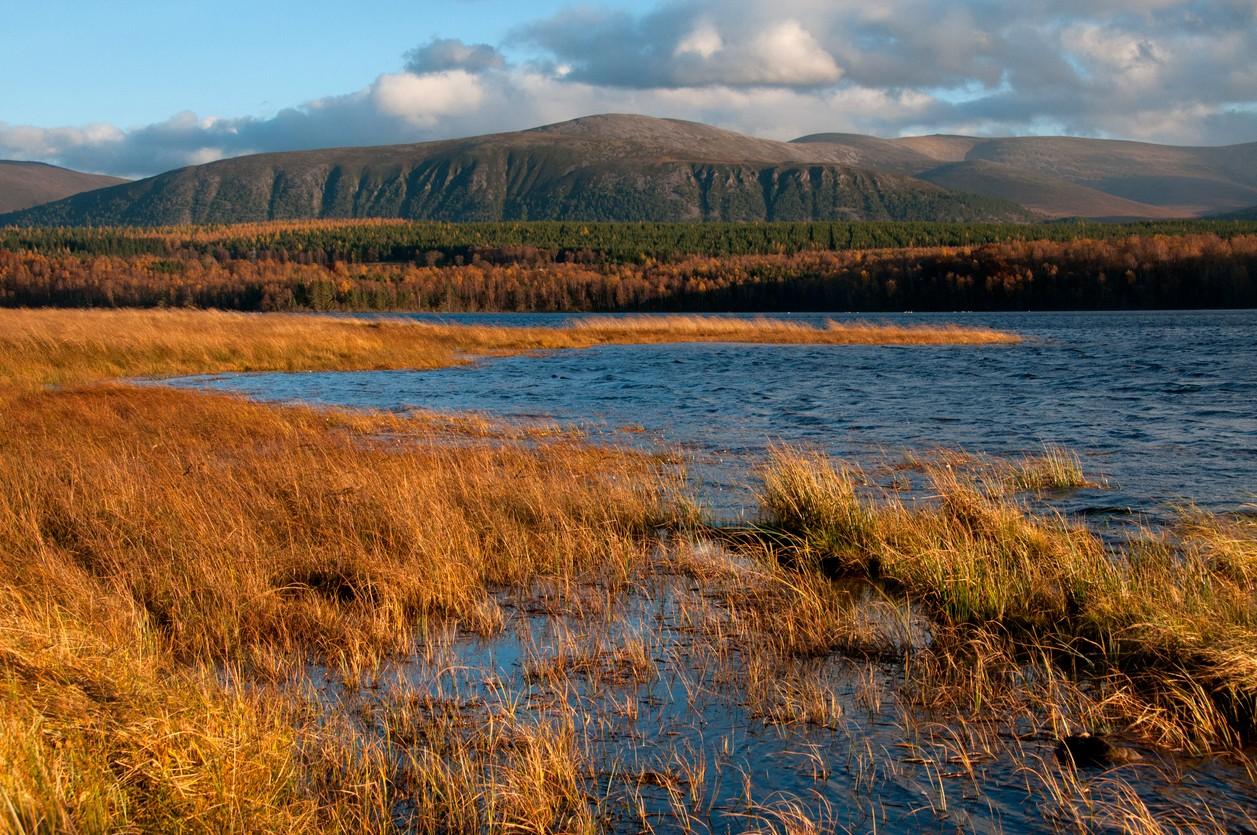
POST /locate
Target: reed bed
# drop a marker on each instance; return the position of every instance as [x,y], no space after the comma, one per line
[63,347]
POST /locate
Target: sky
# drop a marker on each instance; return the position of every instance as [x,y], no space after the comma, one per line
[135,87]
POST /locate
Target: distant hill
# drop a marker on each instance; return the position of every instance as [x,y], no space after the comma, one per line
[1042,193]
[1070,176]
[26,184]
[1243,214]
[619,167]
[597,168]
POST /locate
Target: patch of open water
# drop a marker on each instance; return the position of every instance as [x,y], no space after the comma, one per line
[1162,404]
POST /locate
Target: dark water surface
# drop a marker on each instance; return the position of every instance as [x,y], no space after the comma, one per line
[1162,404]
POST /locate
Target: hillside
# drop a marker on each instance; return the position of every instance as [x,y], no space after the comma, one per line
[597,168]
[1070,176]
[26,184]
[1051,197]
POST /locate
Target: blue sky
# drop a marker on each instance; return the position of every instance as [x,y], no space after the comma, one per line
[134,87]
[133,62]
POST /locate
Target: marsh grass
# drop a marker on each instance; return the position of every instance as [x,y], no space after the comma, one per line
[179,568]
[1173,614]
[677,328]
[153,537]
[62,347]
[1055,469]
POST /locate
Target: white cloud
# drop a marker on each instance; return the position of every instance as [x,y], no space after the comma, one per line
[423,99]
[1160,70]
[704,42]
[200,156]
[787,54]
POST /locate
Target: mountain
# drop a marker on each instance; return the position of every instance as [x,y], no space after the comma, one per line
[597,168]
[1042,193]
[1058,176]
[619,167]
[26,184]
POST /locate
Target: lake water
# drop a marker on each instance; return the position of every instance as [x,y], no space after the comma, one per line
[1161,404]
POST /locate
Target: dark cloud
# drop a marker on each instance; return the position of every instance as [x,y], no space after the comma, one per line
[442,54]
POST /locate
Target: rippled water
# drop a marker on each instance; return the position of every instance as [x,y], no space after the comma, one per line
[1163,404]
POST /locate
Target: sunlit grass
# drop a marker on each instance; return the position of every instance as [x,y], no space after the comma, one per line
[71,346]
[1175,610]
[153,536]
[1054,469]
[177,568]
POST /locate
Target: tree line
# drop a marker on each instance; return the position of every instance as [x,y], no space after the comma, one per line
[1136,271]
[329,242]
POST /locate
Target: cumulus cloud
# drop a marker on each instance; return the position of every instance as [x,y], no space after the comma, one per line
[1159,70]
[679,46]
[422,100]
[784,55]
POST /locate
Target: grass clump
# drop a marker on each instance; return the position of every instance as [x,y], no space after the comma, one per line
[802,494]
[1174,612]
[1056,469]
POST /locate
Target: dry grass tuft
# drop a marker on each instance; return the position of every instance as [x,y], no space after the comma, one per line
[1056,469]
[1176,613]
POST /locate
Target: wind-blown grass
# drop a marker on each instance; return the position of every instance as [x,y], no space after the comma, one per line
[1055,469]
[1177,609]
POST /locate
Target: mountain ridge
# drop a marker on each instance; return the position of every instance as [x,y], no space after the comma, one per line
[629,167]
[613,167]
[1065,176]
